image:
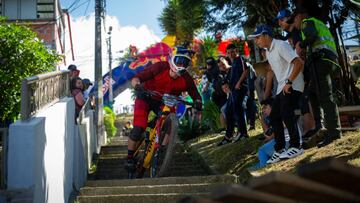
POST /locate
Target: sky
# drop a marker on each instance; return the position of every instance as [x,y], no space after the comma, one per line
[134,22]
[129,13]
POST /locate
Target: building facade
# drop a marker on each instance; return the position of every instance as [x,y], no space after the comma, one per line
[45,17]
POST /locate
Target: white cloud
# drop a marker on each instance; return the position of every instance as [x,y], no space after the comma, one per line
[83,35]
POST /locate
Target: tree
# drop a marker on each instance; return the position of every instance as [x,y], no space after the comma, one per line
[335,12]
[208,48]
[224,15]
[22,55]
[183,19]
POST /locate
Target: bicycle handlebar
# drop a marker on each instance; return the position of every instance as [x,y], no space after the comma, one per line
[167,99]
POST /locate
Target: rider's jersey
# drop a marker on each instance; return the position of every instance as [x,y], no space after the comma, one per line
[157,78]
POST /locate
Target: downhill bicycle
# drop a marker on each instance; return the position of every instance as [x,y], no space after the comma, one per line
[155,150]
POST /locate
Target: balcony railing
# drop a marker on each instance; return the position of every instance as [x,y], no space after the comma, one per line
[43,90]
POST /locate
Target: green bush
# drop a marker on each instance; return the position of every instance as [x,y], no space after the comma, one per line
[188,129]
[109,121]
[22,55]
[211,116]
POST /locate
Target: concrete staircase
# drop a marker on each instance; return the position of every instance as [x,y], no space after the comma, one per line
[185,177]
[167,189]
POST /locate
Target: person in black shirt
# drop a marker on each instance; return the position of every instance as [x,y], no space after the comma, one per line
[238,85]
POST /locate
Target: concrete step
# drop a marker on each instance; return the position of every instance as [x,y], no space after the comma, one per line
[162,181]
[150,189]
[170,170]
[120,165]
[110,177]
[109,159]
[184,172]
[113,155]
[183,178]
[113,149]
[111,162]
[136,198]
[123,174]
[16,195]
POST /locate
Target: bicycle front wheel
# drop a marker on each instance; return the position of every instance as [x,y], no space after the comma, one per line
[168,138]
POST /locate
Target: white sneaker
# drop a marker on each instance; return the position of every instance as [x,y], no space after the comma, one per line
[275,157]
[240,136]
[291,153]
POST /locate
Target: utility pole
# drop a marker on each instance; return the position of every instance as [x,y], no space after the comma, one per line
[110,69]
[99,117]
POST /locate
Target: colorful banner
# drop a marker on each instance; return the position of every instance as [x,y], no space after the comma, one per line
[122,75]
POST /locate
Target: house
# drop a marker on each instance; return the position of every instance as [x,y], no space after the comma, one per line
[353,53]
[44,17]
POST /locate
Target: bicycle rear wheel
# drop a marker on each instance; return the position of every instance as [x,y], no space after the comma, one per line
[161,160]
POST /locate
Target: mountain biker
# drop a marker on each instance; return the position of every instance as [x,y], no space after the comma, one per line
[164,77]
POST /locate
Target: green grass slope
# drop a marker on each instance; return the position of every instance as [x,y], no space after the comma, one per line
[235,158]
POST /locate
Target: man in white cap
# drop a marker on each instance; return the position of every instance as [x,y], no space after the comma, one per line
[287,67]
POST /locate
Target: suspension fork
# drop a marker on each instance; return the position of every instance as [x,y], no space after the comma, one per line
[153,142]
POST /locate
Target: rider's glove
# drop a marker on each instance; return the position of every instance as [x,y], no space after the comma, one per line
[198,105]
[140,92]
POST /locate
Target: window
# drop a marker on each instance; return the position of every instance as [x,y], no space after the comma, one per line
[45,9]
[0,7]
[19,9]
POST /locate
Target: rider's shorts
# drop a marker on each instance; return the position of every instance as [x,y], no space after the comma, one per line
[142,109]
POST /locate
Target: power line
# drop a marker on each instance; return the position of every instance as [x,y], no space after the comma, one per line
[73,4]
[62,14]
[87,6]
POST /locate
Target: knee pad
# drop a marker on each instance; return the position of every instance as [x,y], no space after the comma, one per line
[136,133]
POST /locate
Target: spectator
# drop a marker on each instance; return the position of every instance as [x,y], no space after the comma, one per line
[219,97]
[222,90]
[322,61]
[294,38]
[226,89]
[204,88]
[293,33]
[251,108]
[266,150]
[287,67]
[212,70]
[87,88]
[238,85]
[74,72]
[126,129]
[77,89]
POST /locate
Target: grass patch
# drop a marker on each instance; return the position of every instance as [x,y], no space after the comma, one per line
[93,168]
[235,158]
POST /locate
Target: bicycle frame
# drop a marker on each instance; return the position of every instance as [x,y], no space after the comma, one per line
[155,139]
[154,135]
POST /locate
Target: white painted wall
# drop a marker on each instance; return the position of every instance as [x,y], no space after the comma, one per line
[54,176]
[21,154]
[49,155]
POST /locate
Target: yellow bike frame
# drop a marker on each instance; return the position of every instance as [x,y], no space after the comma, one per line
[154,136]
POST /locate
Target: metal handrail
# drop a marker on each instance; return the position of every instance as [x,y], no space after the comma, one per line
[43,90]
